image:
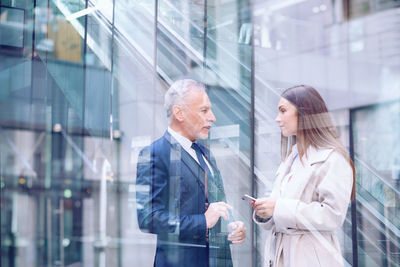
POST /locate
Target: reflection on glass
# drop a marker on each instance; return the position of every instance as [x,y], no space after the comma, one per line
[12,22]
[81,97]
[378,180]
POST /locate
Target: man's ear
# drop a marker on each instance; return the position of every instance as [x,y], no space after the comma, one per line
[178,113]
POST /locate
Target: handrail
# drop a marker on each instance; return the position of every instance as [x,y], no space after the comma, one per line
[377,215]
[383,180]
[370,241]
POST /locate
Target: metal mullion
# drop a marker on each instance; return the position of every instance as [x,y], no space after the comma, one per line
[353,206]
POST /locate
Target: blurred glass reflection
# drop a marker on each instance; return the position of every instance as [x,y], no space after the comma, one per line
[81,93]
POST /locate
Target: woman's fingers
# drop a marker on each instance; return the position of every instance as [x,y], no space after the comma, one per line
[261,201]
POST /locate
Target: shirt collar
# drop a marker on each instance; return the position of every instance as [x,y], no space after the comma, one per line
[183,141]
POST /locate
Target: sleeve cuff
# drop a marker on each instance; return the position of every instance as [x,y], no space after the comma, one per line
[259,220]
[285,213]
[203,230]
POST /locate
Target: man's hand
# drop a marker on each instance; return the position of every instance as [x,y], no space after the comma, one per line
[238,235]
[264,207]
[216,210]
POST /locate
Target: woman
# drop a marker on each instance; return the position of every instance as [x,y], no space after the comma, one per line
[313,186]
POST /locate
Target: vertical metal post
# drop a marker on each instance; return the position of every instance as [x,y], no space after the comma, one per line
[14,230]
[253,237]
[155,63]
[155,37]
[347,9]
[49,238]
[61,224]
[205,36]
[84,72]
[112,80]
[33,48]
[353,202]
[112,161]
[101,244]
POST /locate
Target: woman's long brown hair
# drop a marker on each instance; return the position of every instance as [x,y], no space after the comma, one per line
[314,128]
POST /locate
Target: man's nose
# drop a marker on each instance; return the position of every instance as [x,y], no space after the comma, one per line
[277,119]
[212,117]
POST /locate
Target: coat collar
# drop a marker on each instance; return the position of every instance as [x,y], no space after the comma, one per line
[316,155]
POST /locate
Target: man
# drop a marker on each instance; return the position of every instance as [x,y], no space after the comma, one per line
[182,196]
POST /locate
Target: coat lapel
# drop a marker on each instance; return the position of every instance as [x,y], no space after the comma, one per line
[282,171]
[301,177]
[298,182]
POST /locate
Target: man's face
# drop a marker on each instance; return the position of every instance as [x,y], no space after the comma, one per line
[198,116]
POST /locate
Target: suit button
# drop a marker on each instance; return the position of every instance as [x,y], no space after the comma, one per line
[196,237]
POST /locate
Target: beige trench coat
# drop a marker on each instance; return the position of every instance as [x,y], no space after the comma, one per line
[312,207]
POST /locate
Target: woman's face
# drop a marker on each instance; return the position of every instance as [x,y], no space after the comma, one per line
[287,117]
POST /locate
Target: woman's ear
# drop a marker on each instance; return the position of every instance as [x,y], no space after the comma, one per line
[178,113]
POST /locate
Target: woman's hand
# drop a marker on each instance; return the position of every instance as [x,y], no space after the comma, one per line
[264,207]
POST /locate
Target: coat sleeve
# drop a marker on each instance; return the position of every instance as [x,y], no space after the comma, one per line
[153,200]
[267,224]
[328,211]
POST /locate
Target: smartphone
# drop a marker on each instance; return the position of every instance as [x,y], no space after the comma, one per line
[248,198]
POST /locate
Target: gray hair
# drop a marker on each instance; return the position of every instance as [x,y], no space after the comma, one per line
[178,91]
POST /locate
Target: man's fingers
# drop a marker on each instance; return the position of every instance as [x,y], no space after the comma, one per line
[237,238]
[234,238]
[224,213]
[239,230]
[236,235]
[236,232]
[222,209]
[224,205]
[239,226]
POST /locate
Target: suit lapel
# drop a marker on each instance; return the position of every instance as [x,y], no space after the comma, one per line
[193,166]
[179,153]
